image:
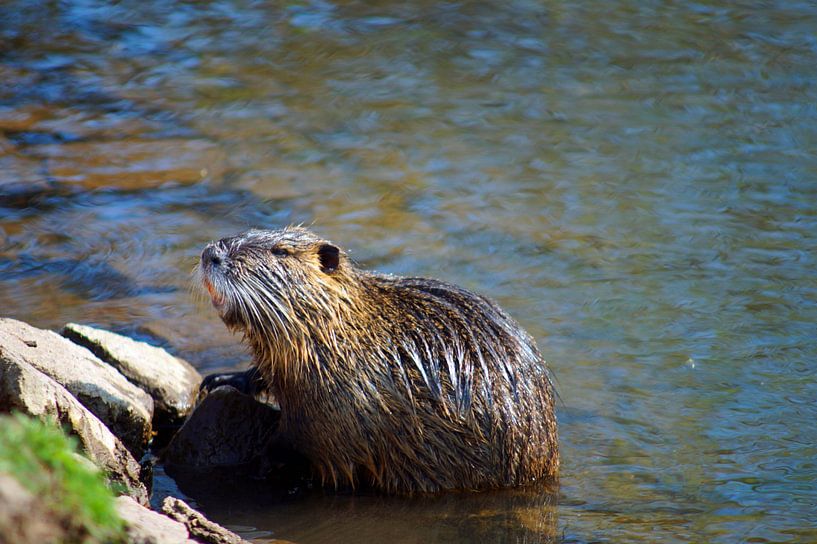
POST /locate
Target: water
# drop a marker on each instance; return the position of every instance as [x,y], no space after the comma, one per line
[635,182]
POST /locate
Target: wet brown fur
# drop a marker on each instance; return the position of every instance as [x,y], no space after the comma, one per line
[409,384]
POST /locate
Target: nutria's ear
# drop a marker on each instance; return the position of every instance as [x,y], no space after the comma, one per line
[329,256]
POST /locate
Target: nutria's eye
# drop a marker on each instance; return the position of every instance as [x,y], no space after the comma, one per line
[279,251]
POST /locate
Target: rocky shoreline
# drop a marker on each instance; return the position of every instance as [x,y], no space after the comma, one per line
[113,393]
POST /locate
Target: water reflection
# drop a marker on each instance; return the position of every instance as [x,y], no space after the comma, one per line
[633,182]
[526,515]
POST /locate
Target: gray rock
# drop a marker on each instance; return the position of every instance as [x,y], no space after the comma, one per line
[200,528]
[24,519]
[123,407]
[172,382]
[144,526]
[24,388]
[226,429]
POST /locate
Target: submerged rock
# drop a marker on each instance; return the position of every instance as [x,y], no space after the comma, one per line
[123,407]
[227,429]
[172,382]
[25,388]
[200,527]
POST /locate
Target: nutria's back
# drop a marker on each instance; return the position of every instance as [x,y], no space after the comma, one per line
[410,384]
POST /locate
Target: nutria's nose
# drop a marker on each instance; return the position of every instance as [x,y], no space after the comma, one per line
[212,255]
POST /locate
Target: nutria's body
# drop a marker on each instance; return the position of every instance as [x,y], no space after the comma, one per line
[409,384]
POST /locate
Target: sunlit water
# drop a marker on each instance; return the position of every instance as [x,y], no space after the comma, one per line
[635,182]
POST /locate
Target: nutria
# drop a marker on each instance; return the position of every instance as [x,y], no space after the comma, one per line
[407,384]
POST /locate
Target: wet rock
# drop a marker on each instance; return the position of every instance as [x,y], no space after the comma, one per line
[199,527]
[123,407]
[24,519]
[172,382]
[24,388]
[227,429]
[144,526]
[132,164]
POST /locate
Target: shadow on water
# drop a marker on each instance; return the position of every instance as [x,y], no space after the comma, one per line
[299,512]
[87,279]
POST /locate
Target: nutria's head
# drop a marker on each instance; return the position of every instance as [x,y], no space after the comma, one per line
[278,287]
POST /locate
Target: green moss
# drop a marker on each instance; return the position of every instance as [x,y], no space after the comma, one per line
[43,459]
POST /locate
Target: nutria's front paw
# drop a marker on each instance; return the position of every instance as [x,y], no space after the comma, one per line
[248,382]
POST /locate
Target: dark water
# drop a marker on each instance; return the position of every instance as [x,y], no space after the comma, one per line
[636,182]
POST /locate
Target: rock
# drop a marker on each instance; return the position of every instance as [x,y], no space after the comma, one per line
[24,388]
[200,528]
[131,164]
[227,429]
[123,407]
[144,526]
[24,519]
[172,382]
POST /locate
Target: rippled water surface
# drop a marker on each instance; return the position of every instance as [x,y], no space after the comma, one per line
[635,182]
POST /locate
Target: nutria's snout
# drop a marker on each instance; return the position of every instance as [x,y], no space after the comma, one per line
[213,259]
[212,256]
